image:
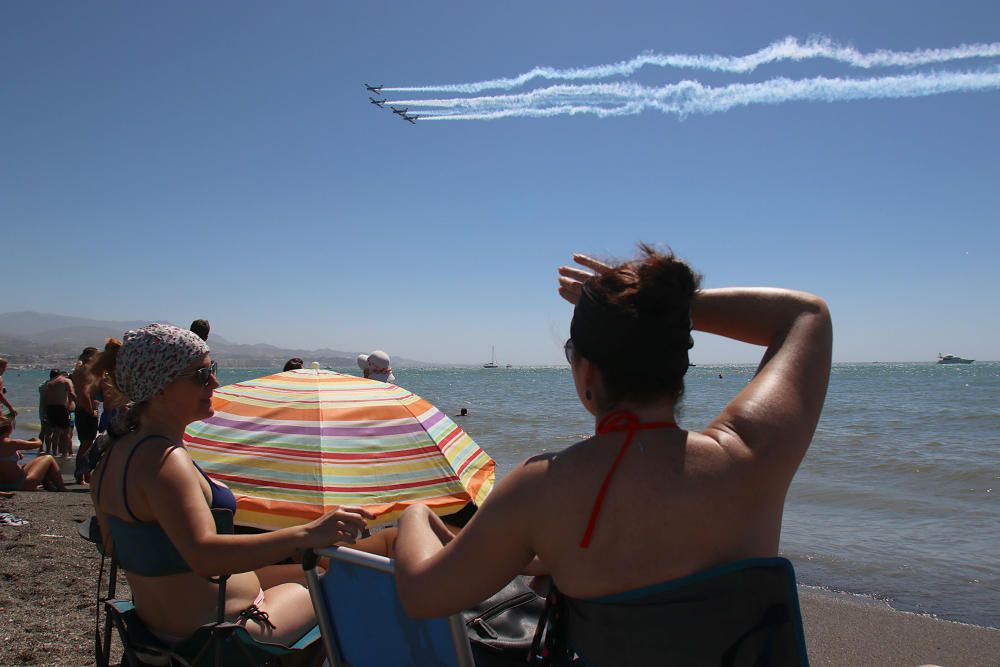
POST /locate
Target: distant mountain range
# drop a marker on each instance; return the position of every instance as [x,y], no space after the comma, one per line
[44,339]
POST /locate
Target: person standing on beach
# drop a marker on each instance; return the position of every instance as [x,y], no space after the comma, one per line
[201,329]
[45,429]
[58,396]
[292,364]
[86,411]
[3,389]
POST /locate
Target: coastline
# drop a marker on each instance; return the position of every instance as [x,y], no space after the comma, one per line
[49,574]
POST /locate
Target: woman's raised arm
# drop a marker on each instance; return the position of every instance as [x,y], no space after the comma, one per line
[777,412]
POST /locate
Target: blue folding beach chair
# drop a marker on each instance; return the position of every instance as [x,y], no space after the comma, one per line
[363,623]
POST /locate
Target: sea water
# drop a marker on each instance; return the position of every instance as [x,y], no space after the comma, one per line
[898,497]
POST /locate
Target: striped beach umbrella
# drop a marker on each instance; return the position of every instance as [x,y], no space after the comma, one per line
[293,445]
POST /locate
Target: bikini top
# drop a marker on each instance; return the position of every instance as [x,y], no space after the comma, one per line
[142,547]
[618,421]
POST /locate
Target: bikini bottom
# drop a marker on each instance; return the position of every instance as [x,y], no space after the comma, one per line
[251,613]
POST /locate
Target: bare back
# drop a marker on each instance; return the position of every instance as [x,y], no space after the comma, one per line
[651,528]
[82,386]
[57,391]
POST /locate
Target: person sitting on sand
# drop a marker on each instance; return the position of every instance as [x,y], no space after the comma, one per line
[42,470]
[148,493]
[643,501]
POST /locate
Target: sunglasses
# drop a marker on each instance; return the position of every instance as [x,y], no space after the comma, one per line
[568,349]
[203,375]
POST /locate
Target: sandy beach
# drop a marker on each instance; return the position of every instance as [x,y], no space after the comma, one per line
[49,575]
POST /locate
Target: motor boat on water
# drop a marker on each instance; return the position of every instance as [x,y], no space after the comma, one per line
[952,359]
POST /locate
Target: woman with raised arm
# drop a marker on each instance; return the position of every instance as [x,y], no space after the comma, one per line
[155,504]
[644,503]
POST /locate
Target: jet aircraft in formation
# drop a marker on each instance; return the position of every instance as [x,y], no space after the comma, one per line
[410,118]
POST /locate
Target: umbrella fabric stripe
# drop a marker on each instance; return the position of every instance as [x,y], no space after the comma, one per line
[281,470]
[395,437]
[221,432]
[460,450]
[197,442]
[344,418]
[381,487]
[306,403]
[480,483]
[262,485]
[300,437]
[270,516]
[352,432]
[337,473]
[471,458]
[328,494]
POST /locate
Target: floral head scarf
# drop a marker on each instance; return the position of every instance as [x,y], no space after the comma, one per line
[151,357]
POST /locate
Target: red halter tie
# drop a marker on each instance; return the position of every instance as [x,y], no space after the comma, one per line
[618,421]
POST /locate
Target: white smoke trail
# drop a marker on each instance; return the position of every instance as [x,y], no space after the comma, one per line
[692,97]
[786,49]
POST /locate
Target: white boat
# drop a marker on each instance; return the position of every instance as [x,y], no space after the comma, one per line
[493,359]
[952,359]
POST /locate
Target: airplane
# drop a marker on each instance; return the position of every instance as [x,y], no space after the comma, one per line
[379,103]
[401,112]
[412,119]
[374,89]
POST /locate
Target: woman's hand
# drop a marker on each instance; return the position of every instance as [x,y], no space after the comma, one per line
[571,279]
[340,526]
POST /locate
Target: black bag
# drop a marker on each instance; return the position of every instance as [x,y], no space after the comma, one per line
[501,629]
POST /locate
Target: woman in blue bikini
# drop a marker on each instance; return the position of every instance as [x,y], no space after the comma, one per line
[155,504]
[643,501]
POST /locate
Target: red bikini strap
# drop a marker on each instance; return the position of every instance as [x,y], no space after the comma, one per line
[618,421]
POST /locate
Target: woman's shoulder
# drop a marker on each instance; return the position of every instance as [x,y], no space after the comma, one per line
[147,453]
[555,468]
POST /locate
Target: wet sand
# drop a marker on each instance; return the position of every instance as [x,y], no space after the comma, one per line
[48,575]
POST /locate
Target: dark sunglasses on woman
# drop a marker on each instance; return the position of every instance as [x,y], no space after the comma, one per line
[204,374]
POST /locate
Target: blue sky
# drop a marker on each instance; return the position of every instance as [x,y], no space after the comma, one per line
[221,160]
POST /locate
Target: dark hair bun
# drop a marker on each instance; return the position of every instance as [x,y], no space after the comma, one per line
[664,283]
[634,322]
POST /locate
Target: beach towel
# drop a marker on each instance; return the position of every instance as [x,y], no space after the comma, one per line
[8,519]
